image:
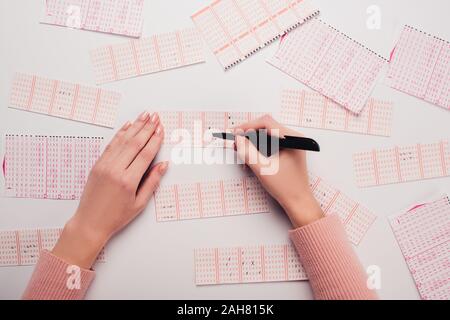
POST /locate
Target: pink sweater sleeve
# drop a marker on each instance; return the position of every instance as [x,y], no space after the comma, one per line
[333,268]
[52,279]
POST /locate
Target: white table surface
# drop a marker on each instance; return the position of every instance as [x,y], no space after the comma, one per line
[153,260]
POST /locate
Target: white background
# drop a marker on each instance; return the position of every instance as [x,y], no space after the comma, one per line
[153,260]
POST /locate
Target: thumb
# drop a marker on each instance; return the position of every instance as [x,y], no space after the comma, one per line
[248,153]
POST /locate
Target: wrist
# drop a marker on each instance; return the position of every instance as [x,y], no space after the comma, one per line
[303,210]
[79,244]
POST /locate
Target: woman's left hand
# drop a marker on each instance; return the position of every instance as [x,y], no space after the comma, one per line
[118,190]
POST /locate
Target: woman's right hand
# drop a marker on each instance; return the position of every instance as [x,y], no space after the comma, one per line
[287,180]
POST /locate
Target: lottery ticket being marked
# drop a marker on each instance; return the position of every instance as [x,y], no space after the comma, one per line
[195,128]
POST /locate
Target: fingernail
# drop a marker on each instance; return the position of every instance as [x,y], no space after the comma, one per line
[163,167]
[159,131]
[126,126]
[144,116]
[155,118]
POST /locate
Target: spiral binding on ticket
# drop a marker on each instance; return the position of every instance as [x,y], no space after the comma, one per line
[237,29]
[64,100]
[23,247]
[48,167]
[263,263]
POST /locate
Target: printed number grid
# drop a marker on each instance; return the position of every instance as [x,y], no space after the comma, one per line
[23,247]
[420,66]
[210,199]
[236,29]
[312,110]
[247,196]
[201,125]
[356,218]
[264,263]
[423,235]
[147,55]
[64,100]
[402,164]
[48,167]
[331,63]
[123,17]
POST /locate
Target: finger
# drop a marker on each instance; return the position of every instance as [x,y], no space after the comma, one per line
[248,153]
[266,122]
[113,149]
[137,125]
[133,146]
[144,159]
[150,184]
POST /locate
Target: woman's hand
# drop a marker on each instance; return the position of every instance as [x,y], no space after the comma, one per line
[118,189]
[288,184]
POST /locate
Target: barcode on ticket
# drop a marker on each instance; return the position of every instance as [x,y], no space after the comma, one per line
[23,247]
[64,100]
[263,263]
[236,29]
[331,63]
[48,167]
[147,55]
[123,17]
[210,199]
[313,110]
[402,164]
[200,126]
[423,234]
[420,66]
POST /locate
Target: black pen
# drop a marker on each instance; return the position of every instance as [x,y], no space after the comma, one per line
[269,145]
